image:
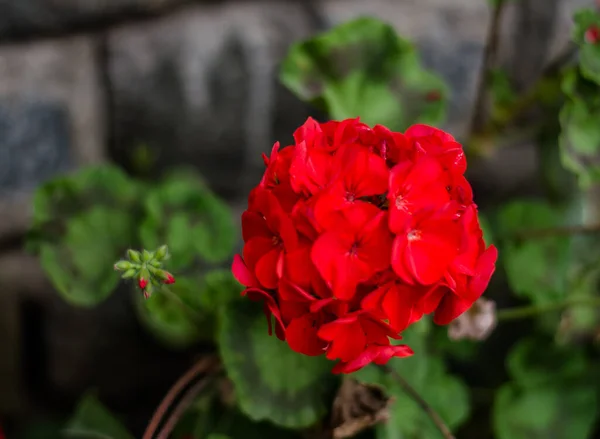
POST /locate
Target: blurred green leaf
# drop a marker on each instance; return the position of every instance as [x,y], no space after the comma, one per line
[171,319]
[80,265]
[580,137]
[271,381]
[579,321]
[426,373]
[532,362]
[536,268]
[488,234]
[502,92]
[194,222]
[185,313]
[589,52]
[363,68]
[550,395]
[82,224]
[92,420]
[560,412]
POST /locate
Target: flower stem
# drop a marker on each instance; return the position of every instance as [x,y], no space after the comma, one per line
[201,372]
[192,314]
[579,229]
[534,310]
[437,420]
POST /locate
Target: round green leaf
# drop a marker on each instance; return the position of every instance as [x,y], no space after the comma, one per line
[531,362]
[551,411]
[579,140]
[171,314]
[196,224]
[185,312]
[80,264]
[82,224]
[536,268]
[363,68]
[271,381]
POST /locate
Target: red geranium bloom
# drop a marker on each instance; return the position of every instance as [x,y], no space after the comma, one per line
[355,233]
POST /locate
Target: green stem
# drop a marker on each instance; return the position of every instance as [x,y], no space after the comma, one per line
[414,395]
[578,229]
[534,310]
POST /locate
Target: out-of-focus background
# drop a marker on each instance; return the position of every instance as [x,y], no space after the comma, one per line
[149,84]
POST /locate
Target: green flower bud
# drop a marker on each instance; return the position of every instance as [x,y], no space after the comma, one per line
[161,274]
[129,273]
[147,256]
[123,265]
[162,253]
[144,274]
[134,256]
[148,291]
[154,263]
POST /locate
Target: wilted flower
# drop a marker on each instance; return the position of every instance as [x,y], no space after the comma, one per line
[475,324]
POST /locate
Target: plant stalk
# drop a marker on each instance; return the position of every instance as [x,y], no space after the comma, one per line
[534,310]
[437,420]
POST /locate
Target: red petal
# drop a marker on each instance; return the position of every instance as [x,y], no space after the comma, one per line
[253,224]
[373,354]
[347,339]
[241,272]
[450,308]
[486,265]
[255,249]
[301,335]
[398,305]
[266,269]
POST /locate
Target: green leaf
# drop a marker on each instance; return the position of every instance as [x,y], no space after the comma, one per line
[271,381]
[82,224]
[92,420]
[80,265]
[559,412]
[170,314]
[579,140]
[218,289]
[193,221]
[582,321]
[426,373]
[502,92]
[543,400]
[185,313]
[531,362]
[536,268]
[589,53]
[363,68]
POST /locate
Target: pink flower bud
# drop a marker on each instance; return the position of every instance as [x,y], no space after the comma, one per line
[170,279]
[592,34]
[142,283]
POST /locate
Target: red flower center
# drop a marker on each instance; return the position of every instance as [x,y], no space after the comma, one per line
[414,235]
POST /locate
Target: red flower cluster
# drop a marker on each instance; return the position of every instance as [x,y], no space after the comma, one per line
[354,233]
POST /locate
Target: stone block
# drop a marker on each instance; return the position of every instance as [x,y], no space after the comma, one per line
[199,88]
[28,17]
[51,118]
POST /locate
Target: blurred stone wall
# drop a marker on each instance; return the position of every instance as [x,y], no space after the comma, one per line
[83,81]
